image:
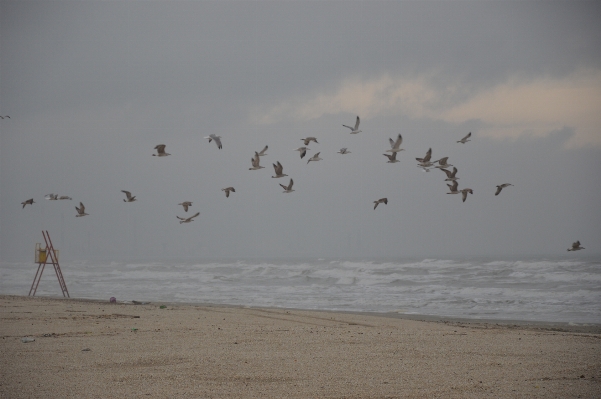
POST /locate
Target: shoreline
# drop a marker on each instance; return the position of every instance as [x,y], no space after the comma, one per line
[459,321]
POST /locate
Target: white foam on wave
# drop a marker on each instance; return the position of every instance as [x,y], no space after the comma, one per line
[544,290]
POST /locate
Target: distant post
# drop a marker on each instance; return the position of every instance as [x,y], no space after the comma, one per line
[43,257]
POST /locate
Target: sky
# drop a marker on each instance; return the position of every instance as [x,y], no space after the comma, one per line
[91,87]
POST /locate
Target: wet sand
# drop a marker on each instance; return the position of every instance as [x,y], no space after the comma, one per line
[92,349]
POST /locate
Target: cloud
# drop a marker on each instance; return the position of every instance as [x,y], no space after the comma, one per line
[366,98]
[511,109]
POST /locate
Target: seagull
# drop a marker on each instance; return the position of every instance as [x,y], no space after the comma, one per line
[501,187]
[343,151]
[302,150]
[28,202]
[396,144]
[427,158]
[188,220]
[255,162]
[391,158]
[186,204]
[262,152]
[453,187]
[442,163]
[288,189]
[129,197]
[308,140]
[2,117]
[450,175]
[464,193]
[64,197]
[465,139]
[380,201]
[576,246]
[424,162]
[81,210]
[216,138]
[160,150]
[51,197]
[278,170]
[315,158]
[227,191]
[354,130]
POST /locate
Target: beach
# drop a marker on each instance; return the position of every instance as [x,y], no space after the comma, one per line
[95,349]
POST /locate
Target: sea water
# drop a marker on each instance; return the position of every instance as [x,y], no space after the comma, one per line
[551,290]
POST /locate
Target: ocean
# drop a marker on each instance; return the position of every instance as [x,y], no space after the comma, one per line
[548,290]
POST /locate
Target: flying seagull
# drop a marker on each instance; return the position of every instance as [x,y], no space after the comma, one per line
[442,163]
[308,140]
[81,210]
[315,158]
[396,145]
[263,151]
[427,158]
[255,162]
[302,150]
[464,193]
[129,197]
[288,189]
[424,162]
[450,175]
[343,151]
[28,202]
[391,157]
[501,187]
[186,204]
[465,139]
[216,138]
[380,201]
[355,130]
[227,191]
[160,151]
[278,170]
[188,220]
[51,197]
[576,246]
[453,187]
[64,197]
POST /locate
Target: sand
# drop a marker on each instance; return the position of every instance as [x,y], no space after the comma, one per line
[91,349]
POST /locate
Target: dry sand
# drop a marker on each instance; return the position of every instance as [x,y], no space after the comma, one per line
[90,349]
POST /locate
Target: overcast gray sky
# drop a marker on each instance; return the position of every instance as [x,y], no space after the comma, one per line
[91,87]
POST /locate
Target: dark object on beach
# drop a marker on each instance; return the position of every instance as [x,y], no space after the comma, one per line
[86,350]
[27,339]
[113,300]
[163,306]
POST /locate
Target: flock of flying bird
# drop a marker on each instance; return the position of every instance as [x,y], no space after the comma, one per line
[425,163]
